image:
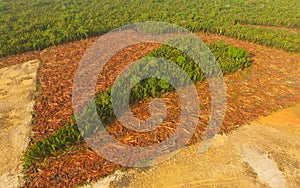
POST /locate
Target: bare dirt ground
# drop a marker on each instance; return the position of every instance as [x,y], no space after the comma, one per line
[264,153]
[17,87]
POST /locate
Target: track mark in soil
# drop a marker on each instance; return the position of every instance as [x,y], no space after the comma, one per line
[265,168]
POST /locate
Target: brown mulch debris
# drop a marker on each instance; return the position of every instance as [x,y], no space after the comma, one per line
[272,82]
[54,103]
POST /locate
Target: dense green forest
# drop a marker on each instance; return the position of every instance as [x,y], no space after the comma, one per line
[36,24]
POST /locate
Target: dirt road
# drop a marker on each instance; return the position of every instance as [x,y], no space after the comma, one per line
[17,87]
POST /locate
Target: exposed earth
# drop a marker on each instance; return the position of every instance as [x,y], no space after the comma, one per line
[17,91]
